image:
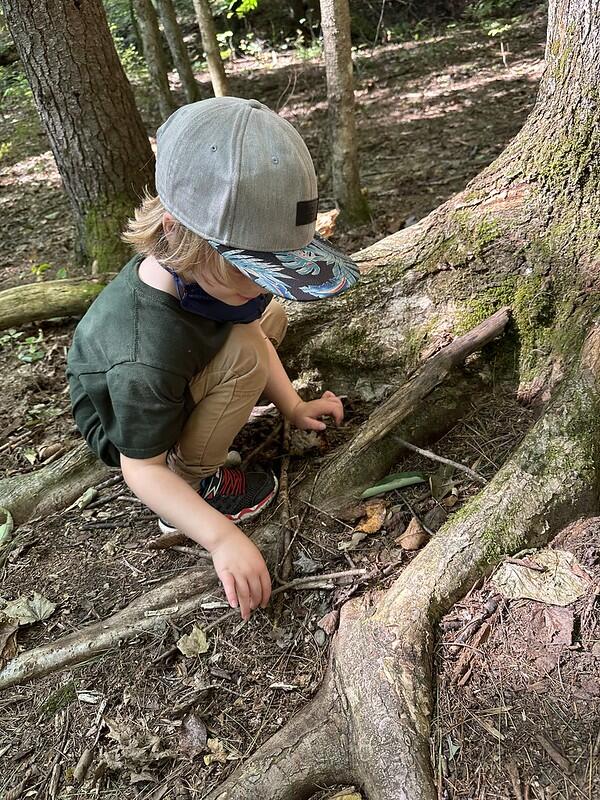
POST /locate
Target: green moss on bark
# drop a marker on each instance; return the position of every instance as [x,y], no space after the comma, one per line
[101,247]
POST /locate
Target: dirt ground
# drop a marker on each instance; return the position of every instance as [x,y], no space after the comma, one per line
[430,114]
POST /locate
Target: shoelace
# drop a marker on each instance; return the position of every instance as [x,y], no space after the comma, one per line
[226,481]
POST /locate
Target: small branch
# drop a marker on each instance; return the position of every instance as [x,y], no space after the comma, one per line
[429,454]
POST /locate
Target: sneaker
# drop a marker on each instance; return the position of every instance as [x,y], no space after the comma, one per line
[237,494]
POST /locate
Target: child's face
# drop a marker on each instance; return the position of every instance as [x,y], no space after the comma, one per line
[235,291]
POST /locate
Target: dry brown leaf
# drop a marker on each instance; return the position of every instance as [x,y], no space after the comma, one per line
[376,512]
[193,736]
[8,641]
[353,543]
[193,643]
[414,537]
[326,222]
[329,622]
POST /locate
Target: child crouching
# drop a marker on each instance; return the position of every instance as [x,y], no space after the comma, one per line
[169,361]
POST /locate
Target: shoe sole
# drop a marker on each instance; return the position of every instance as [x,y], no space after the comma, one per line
[245,513]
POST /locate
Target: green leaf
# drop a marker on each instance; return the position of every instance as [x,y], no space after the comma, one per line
[6,527]
[398,480]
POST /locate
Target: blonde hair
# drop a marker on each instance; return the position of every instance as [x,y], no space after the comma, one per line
[182,251]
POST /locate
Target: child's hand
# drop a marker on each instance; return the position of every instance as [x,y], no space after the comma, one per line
[306,415]
[242,571]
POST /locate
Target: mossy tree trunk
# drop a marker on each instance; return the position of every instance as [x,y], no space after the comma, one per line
[523,233]
[88,110]
[154,55]
[337,45]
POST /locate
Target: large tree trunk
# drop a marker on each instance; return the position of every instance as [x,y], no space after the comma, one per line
[181,57]
[88,110]
[154,55]
[208,33]
[335,23]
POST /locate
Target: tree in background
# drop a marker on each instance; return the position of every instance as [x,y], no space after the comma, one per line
[154,55]
[211,48]
[87,107]
[335,23]
[181,58]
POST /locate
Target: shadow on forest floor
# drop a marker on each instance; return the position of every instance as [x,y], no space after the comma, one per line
[430,115]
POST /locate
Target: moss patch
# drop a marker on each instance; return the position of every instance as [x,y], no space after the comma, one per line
[102,245]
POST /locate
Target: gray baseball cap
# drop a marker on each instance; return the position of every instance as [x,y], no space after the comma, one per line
[239,175]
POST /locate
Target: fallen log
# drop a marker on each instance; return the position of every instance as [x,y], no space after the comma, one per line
[52,487]
[376,446]
[48,299]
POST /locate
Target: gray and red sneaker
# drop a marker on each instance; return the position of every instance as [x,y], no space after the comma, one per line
[237,494]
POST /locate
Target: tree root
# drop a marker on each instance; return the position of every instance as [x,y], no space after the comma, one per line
[369,722]
[48,299]
[148,613]
[52,487]
[375,448]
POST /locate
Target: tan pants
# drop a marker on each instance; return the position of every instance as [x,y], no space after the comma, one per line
[225,393]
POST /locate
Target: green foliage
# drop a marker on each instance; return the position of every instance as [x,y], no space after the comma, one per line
[29,350]
[39,269]
[14,87]
[133,63]
[245,7]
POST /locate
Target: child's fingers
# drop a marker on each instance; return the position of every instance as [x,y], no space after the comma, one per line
[255,591]
[228,582]
[311,424]
[243,593]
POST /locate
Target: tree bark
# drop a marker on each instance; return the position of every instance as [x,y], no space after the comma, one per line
[210,44]
[335,23]
[47,299]
[87,107]
[53,487]
[181,57]
[154,55]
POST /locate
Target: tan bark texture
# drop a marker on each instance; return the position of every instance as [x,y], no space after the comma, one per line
[337,45]
[210,44]
[154,55]
[181,57]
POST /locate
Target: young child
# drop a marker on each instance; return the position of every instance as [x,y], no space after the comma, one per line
[168,362]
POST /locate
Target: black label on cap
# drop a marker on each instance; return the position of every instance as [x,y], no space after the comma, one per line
[306,211]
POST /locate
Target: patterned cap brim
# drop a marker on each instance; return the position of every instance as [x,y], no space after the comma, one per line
[314,272]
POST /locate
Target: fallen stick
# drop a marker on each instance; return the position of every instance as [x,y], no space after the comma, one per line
[147,613]
[52,487]
[48,299]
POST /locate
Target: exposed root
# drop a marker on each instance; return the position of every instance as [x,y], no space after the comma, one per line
[375,448]
[150,612]
[48,299]
[379,681]
[52,487]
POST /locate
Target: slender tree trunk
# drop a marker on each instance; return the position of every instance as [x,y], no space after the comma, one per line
[88,110]
[155,55]
[208,33]
[335,23]
[181,57]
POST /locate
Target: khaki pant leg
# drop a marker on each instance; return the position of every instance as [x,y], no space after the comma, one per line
[225,394]
[274,322]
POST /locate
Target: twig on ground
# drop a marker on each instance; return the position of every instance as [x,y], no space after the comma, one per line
[263,445]
[559,759]
[434,457]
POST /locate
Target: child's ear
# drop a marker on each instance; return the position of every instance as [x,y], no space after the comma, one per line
[168,223]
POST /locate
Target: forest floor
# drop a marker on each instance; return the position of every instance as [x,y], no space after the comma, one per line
[516,718]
